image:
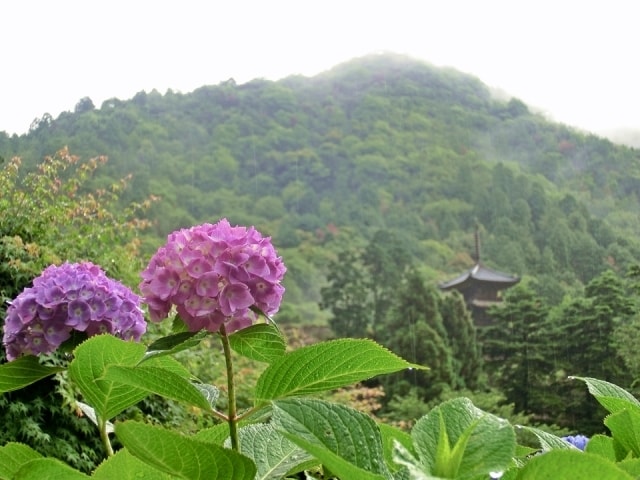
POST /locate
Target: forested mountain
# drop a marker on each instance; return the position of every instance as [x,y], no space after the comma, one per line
[378,143]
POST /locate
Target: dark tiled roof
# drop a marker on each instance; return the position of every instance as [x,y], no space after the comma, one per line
[480,273]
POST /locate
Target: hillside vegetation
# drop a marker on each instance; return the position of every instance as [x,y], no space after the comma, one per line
[378,143]
[372,179]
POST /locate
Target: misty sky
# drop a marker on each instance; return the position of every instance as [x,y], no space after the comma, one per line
[575,60]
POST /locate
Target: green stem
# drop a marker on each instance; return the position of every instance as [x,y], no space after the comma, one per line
[104,436]
[231,390]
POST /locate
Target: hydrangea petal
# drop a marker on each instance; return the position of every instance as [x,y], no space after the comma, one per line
[225,270]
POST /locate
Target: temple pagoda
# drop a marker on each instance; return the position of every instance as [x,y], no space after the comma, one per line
[480,286]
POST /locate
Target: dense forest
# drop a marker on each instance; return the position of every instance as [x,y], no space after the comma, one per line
[378,143]
[372,178]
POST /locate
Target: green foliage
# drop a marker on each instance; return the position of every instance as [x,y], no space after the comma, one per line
[346,441]
[414,328]
[514,349]
[328,365]
[90,362]
[529,348]
[388,161]
[181,456]
[22,372]
[49,214]
[406,315]
[347,296]
[380,143]
[455,439]
[458,440]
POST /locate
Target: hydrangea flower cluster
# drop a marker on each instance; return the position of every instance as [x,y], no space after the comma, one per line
[578,441]
[72,296]
[214,274]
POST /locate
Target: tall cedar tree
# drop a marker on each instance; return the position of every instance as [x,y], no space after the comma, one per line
[513,349]
[586,327]
[363,284]
[347,296]
[462,340]
[414,330]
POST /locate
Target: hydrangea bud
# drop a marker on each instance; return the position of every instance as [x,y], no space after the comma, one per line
[72,296]
[214,274]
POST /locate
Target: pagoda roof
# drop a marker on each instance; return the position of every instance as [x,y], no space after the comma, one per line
[479,274]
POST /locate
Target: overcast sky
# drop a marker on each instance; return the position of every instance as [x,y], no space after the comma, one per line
[576,60]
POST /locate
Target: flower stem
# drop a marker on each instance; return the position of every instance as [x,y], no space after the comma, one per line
[104,436]
[231,390]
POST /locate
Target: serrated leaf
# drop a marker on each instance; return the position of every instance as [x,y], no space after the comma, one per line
[261,342]
[571,464]
[175,343]
[489,440]
[23,371]
[625,428]
[602,445]
[124,466]
[326,366]
[337,465]
[169,363]
[49,468]
[159,381]
[610,396]
[13,456]
[273,463]
[631,466]
[183,456]
[87,369]
[344,439]
[549,441]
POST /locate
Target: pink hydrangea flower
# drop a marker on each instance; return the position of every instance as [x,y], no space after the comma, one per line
[214,274]
[72,296]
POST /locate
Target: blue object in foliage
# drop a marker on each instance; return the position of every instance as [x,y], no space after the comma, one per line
[578,441]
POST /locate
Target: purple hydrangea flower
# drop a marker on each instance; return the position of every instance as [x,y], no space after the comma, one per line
[578,441]
[72,296]
[214,274]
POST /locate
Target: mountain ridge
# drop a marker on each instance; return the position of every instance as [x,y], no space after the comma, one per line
[380,142]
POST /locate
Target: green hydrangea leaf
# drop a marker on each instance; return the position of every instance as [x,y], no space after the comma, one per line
[602,445]
[181,456]
[549,441]
[216,434]
[412,469]
[124,466]
[478,442]
[625,429]
[610,396]
[571,464]
[49,468]
[631,466]
[23,371]
[168,363]
[261,342]
[87,370]
[159,381]
[13,456]
[326,366]
[174,343]
[345,440]
[282,456]
[390,435]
